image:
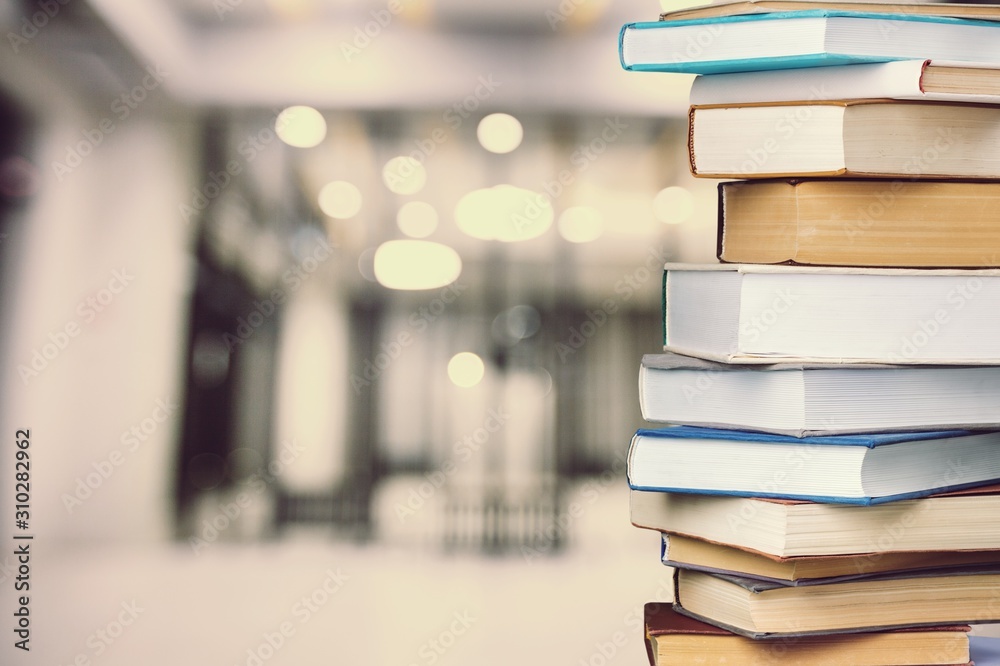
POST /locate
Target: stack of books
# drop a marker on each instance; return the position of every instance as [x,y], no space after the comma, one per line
[825,472]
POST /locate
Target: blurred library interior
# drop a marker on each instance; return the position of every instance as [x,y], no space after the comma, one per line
[293,282]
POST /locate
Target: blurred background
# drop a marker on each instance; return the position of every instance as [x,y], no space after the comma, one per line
[325,318]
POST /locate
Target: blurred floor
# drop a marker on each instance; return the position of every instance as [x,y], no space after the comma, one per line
[328,603]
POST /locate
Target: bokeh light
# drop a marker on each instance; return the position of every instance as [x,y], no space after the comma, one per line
[404,175]
[417,219]
[300,126]
[504,213]
[673,205]
[466,369]
[340,199]
[416,264]
[581,224]
[500,133]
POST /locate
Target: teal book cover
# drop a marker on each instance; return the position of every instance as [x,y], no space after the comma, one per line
[781,40]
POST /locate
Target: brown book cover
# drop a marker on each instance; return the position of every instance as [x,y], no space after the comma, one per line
[902,223]
[716,645]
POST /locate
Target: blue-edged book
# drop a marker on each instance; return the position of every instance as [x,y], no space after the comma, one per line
[843,469]
[805,38]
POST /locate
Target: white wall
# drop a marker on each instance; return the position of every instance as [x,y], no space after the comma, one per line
[107,230]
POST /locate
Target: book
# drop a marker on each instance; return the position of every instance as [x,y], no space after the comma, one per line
[985,650]
[870,138]
[763,609]
[926,80]
[737,7]
[849,469]
[873,223]
[673,639]
[750,313]
[802,38]
[684,552]
[957,521]
[803,399]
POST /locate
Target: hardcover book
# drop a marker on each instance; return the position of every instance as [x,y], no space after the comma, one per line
[673,639]
[848,469]
[684,552]
[869,138]
[906,224]
[738,7]
[965,520]
[760,609]
[804,38]
[751,313]
[925,80]
[795,398]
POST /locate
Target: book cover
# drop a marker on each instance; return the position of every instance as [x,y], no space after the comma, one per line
[752,313]
[761,609]
[847,469]
[845,138]
[684,552]
[800,398]
[862,223]
[923,80]
[676,639]
[965,520]
[797,39]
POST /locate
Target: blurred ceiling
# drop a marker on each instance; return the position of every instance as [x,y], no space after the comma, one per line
[377,54]
[413,77]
